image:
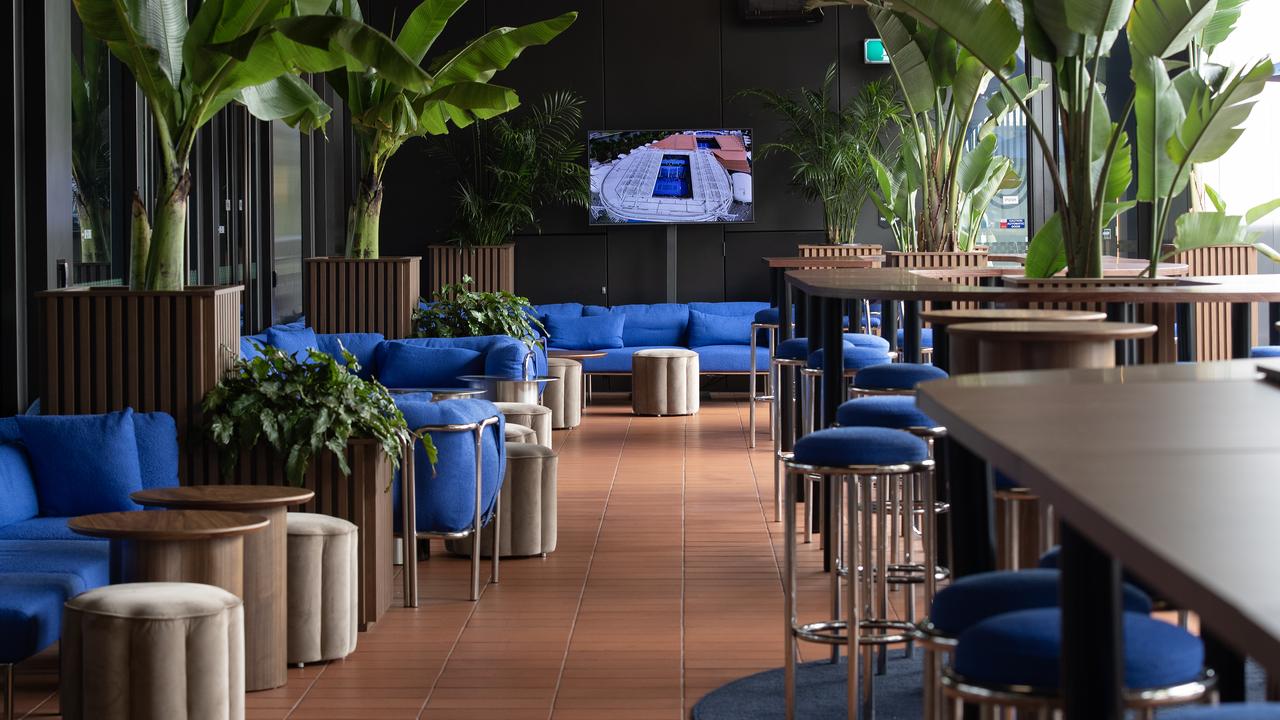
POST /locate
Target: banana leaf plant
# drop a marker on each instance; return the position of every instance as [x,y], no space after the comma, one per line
[190,68]
[386,113]
[91,151]
[1096,166]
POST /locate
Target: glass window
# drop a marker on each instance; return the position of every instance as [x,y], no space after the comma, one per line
[286,222]
[92,257]
[1004,224]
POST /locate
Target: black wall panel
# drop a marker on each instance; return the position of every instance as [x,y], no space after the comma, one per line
[562,268]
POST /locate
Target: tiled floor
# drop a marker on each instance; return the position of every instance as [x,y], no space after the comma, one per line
[665,584]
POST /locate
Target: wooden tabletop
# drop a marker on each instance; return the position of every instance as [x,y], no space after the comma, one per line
[942,318]
[903,284]
[1048,330]
[848,261]
[576,354]
[1170,468]
[166,525]
[223,497]
[1111,265]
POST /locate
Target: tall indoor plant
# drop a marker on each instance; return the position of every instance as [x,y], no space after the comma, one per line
[833,146]
[247,51]
[91,151]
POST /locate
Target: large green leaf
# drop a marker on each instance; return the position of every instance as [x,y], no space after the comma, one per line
[983,27]
[116,23]
[1047,254]
[972,78]
[339,40]
[494,51]
[1003,101]
[976,165]
[919,90]
[218,22]
[1051,16]
[424,25]
[1202,229]
[1095,17]
[1223,23]
[481,100]
[163,23]
[1259,212]
[1216,114]
[287,98]
[1161,28]
[1158,112]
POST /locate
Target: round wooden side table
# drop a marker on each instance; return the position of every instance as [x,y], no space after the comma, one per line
[265,572]
[960,354]
[1044,345]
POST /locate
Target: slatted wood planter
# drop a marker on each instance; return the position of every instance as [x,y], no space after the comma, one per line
[362,498]
[354,295]
[851,250]
[493,269]
[106,349]
[1213,320]
[1162,348]
[921,260]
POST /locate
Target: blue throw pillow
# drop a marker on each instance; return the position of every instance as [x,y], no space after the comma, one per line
[157,436]
[586,333]
[705,329]
[411,366]
[17,487]
[361,345]
[293,340]
[249,346]
[83,463]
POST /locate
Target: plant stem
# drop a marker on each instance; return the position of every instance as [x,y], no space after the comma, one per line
[141,245]
[165,258]
[366,213]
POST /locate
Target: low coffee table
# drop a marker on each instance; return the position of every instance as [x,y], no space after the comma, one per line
[524,391]
[438,394]
[265,566]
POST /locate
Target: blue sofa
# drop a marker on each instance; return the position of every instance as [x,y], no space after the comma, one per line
[720,332]
[52,468]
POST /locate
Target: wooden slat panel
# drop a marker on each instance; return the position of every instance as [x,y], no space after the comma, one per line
[1213,320]
[492,268]
[854,250]
[348,295]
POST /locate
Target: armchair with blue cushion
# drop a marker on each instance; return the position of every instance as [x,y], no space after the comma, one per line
[460,494]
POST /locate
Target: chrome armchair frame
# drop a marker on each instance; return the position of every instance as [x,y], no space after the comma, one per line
[410,518]
[1045,701]
[753,395]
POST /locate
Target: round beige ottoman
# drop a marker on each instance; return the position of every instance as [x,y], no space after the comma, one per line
[528,505]
[153,651]
[323,587]
[664,382]
[537,417]
[564,397]
[517,433]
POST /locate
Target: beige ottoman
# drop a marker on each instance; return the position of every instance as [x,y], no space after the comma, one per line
[664,382]
[153,651]
[517,433]
[528,505]
[537,417]
[564,397]
[324,566]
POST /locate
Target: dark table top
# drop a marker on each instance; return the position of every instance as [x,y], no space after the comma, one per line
[223,497]
[166,525]
[850,261]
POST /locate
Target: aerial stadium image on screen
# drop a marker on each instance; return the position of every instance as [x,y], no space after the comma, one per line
[670,176]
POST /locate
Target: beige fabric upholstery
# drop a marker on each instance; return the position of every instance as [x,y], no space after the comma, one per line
[664,382]
[533,416]
[528,505]
[564,397]
[517,433]
[323,587]
[153,651]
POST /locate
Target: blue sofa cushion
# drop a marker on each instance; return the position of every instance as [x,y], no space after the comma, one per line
[9,432]
[587,333]
[41,528]
[747,308]
[17,487]
[363,346]
[157,436]
[889,411]
[708,329]
[855,358]
[730,358]
[648,325]
[446,493]
[559,310]
[1024,648]
[30,613]
[615,360]
[293,340]
[897,376]
[87,563]
[974,598]
[504,356]
[249,345]
[844,446]
[410,366]
[83,464]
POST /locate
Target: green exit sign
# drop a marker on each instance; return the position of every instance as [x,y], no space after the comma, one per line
[874,52]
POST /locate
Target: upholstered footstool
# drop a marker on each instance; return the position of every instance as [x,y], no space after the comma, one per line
[537,417]
[153,651]
[323,587]
[664,382]
[517,433]
[564,397]
[528,505]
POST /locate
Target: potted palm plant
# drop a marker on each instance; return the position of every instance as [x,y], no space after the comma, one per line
[518,167]
[159,344]
[833,146]
[385,114]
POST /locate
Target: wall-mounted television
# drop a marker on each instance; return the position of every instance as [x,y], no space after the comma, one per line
[670,176]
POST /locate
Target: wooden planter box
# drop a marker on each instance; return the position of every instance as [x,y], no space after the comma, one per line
[920,260]
[362,498]
[1213,320]
[106,349]
[352,295]
[851,250]
[492,268]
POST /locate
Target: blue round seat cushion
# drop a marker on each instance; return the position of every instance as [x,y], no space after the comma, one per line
[1024,647]
[897,376]
[1265,351]
[796,349]
[974,598]
[868,340]
[847,446]
[888,411]
[926,337]
[1228,711]
[855,358]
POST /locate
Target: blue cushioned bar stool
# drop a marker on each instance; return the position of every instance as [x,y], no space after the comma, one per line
[895,379]
[766,322]
[856,359]
[905,499]
[974,598]
[1231,711]
[860,462]
[1012,661]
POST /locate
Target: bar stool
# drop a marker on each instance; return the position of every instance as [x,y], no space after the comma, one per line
[1011,501]
[856,359]
[1012,661]
[1233,711]
[895,379]
[766,321]
[867,460]
[974,598]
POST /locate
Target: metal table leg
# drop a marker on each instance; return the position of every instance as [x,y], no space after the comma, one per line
[1241,329]
[832,395]
[1092,631]
[973,537]
[911,332]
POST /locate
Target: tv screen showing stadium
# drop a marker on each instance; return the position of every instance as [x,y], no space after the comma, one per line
[670,176]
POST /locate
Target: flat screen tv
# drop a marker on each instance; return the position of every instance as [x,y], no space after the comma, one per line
[670,176]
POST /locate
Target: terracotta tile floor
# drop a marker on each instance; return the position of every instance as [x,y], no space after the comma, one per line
[665,584]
